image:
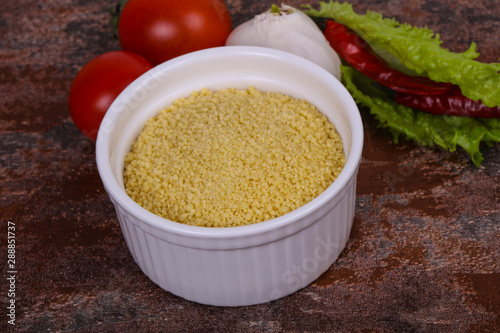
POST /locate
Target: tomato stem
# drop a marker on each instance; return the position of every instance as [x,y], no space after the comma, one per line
[115,16]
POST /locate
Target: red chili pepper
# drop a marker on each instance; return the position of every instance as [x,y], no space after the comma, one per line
[358,54]
[453,103]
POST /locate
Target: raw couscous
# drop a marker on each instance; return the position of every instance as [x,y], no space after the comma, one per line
[232,157]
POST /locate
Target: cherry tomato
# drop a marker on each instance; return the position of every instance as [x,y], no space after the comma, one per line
[160,30]
[98,84]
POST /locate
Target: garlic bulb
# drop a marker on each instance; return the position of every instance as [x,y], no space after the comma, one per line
[288,29]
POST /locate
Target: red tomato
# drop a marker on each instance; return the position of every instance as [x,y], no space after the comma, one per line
[98,84]
[160,30]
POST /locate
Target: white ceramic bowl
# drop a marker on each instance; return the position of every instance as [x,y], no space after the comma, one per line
[242,265]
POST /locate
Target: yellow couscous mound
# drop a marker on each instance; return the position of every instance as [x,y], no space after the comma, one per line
[232,157]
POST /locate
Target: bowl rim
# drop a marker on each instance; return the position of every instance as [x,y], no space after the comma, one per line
[153,222]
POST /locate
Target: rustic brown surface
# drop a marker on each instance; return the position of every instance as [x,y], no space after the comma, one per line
[423,256]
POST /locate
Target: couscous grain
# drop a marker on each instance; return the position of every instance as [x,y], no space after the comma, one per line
[232,157]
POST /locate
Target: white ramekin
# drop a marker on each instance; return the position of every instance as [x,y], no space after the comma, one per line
[240,265]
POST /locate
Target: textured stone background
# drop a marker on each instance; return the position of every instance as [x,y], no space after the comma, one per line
[423,256]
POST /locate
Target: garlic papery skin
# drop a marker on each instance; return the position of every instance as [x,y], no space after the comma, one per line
[289,30]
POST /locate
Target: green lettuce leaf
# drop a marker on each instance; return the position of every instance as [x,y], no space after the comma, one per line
[425,128]
[419,50]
